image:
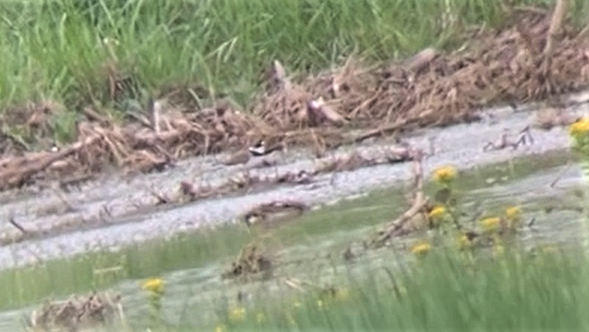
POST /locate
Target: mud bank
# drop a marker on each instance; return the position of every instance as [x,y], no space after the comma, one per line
[115,211]
[520,61]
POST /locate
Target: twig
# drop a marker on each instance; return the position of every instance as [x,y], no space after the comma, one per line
[15,174]
[104,213]
[141,119]
[94,116]
[108,270]
[156,109]
[583,33]
[522,139]
[531,222]
[162,199]
[558,18]
[293,285]
[419,201]
[62,198]
[302,282]
[17,225]
[560,174]
[381,131]
[432,146]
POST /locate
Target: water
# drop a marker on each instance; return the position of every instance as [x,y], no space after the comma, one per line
[116,211]
[302,247]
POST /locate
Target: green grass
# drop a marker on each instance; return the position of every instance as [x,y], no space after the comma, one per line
[55,49]
[343,222]
[444,292]
[61,277]
[518,291]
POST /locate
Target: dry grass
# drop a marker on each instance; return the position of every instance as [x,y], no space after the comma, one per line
[527,61]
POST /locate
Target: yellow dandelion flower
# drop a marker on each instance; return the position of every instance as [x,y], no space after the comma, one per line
[464,242]
[437,213]
[154,285]
[444,174]
[513,217]
[421,248]
[513,213]
[237,314]
[579,128]
[491,225]
[220,328]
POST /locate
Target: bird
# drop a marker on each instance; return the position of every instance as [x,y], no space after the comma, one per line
[262,148]
[274,212]
[243,156]
[257,150]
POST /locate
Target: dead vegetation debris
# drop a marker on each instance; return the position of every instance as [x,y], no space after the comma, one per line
[524,137]
[245,182]
[274,212]
[348,162]
[76,313]
[550,117]
[69,221]
[241,183]
[249,264]
[417,217]
[537,56]
[419,207]
[15,172]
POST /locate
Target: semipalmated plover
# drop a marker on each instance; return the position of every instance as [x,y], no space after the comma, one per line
[257,150]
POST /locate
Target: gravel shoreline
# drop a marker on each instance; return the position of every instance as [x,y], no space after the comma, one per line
[458,145]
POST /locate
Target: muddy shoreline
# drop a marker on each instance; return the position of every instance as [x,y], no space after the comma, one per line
[516,63]
[117,210]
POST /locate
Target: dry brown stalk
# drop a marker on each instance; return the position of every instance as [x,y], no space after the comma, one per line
[14,174]
[558,18]
[419,201]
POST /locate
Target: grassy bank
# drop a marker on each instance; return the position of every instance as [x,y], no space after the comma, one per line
[442,292]
[24,286]
[197,256]
[67,50]
[445,290]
